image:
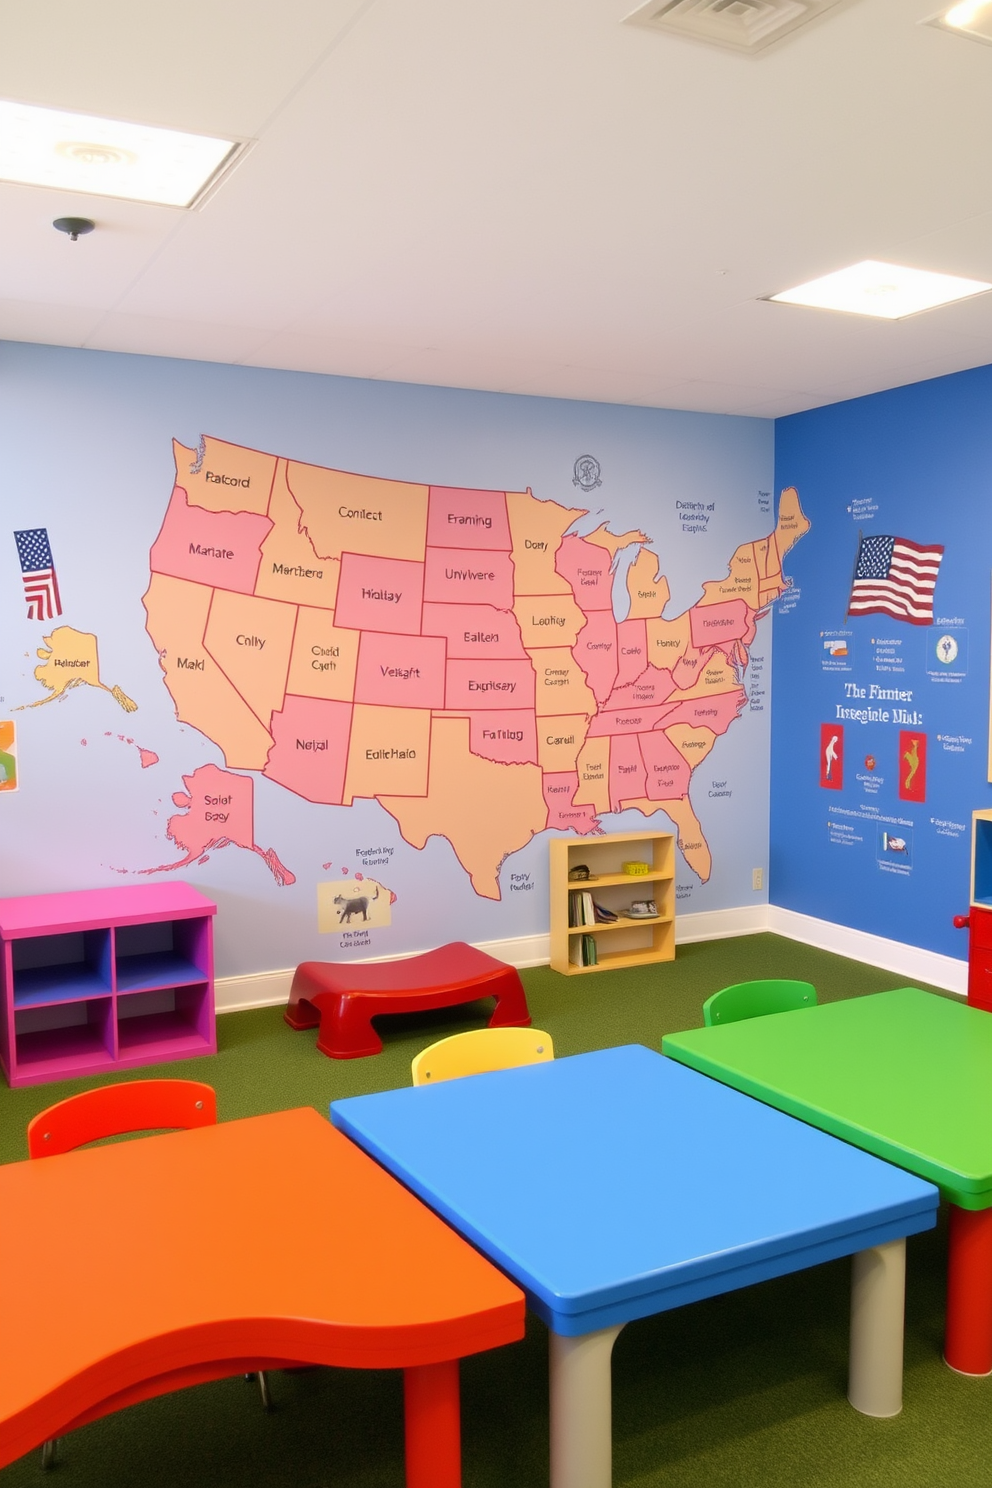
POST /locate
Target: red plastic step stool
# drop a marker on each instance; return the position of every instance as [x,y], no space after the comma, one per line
[344,997]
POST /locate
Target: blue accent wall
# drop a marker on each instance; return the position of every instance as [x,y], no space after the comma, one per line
[914,463]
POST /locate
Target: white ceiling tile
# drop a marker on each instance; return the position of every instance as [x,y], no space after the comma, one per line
[56,325]
[532,197]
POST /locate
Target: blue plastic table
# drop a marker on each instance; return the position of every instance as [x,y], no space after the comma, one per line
[619,1184]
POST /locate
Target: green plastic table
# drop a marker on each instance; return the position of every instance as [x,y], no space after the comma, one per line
[906,1075]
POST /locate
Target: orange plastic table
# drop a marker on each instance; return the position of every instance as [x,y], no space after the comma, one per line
[131,1270]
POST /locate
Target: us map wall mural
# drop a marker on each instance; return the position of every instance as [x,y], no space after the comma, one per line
[381,678]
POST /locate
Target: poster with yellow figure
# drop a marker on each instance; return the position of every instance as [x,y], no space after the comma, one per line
[8,755]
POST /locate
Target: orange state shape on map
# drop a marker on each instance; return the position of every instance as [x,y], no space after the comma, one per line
[613,541]
[647,587]
[230,477]
[345,513]
[694,743]
[485,810]
[668,641]
[692,843]
[251,639]
[537,528]
[791,526]
[389,751]
[324,659]
[792,523]
[290,569]
[714,673]
[177,620]
[742,581]
[548,620]
[559,739]
[561,684]
[593,767]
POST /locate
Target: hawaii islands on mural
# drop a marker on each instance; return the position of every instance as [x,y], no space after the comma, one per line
[455,655]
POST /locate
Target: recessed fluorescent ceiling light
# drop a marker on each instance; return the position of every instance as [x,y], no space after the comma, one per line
[880,289]
[969,18]
[103,157]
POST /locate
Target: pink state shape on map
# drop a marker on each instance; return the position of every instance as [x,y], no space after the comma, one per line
[148,757]
[716,712]
[666,768]
[595,650]
[506,738]
[558,793]
[719,624]
[480,684]
[654,685]
[310,752]
[627,776]
[467,519]
[686,670]
[220,549]
[586,567]
[379,594]
[632,650]
[475,631]
[466,576]
[400,671]
[217,810]
[628,720]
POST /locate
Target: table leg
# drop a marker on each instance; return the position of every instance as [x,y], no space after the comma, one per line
[433,1426]
[582,1409]
[968,1330]
[878,1301]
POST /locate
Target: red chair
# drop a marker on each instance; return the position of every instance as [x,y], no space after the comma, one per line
[113,1111]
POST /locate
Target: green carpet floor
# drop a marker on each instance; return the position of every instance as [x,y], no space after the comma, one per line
[744,1391]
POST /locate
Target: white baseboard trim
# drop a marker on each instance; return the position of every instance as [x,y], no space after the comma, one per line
[721,924]
[915,964]
[271,988]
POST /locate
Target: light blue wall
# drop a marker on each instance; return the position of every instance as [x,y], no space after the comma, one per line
[914,463]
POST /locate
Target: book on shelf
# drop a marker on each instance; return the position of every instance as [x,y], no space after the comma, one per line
[582,950]
[604,916]
[582,910]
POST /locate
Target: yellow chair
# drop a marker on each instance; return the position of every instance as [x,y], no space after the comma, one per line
[480,1051]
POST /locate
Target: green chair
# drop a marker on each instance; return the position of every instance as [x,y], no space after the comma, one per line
[755,999]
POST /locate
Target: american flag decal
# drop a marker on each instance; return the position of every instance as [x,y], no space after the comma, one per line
[41,587]
[895,577]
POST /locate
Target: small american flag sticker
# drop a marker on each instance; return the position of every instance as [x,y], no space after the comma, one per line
[41,587]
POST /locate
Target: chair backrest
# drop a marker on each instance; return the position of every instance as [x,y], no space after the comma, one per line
[480,1051]
[755,999]
[112,1110]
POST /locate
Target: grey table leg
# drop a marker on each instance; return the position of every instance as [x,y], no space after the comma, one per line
[878,1299]
[582,1409]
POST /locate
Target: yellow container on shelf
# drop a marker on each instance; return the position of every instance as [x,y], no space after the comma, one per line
[636,870]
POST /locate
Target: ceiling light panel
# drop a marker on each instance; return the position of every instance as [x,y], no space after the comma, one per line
[744,25]
[972,18]
[885,291]
[104,157]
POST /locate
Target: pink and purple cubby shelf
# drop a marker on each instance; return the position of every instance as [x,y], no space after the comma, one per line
[104,979]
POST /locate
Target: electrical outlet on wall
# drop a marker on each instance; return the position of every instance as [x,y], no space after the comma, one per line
[757,878]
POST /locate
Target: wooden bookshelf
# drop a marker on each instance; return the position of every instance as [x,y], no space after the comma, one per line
[622,942]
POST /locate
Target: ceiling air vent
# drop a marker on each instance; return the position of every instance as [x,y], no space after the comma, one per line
[744,25]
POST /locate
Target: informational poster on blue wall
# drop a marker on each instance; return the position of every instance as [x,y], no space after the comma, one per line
[881,688]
